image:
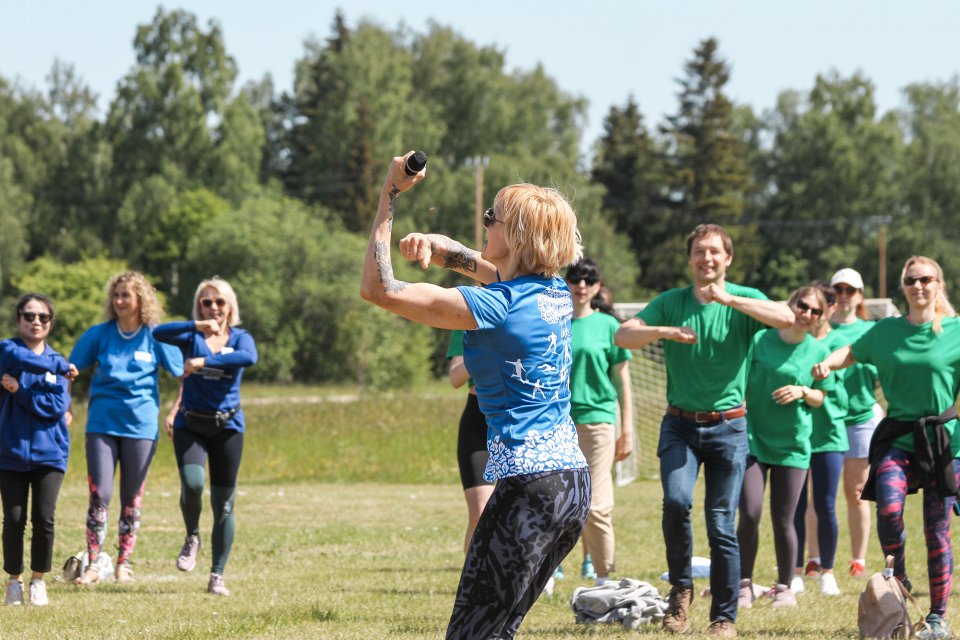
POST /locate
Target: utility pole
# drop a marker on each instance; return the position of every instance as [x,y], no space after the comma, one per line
[882,256]
[479,162]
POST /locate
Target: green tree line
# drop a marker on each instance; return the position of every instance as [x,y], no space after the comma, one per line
[186,175]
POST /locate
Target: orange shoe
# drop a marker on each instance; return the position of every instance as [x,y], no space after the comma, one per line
[812,570]
[856,569]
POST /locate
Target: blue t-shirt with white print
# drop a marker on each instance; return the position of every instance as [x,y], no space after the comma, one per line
[125,390]
[519,357]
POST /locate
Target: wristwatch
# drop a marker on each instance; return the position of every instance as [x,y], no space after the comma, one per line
[804,391]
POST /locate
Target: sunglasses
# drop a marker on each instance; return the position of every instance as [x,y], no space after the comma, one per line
[803,306]
[590,280]
[489,218]
[845,289]
[30,316]
[909,281]
[207,303]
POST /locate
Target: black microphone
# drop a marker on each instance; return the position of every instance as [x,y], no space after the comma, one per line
[415,163]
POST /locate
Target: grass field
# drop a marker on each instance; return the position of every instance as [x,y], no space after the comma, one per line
[349,526]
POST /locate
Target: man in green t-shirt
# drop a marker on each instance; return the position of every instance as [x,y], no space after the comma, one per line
[707,329]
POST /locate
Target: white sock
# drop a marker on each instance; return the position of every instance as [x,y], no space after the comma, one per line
[815,559]
[862,561]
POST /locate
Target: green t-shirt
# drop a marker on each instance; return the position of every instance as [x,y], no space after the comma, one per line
[711,374]
[593,394]
[829,421]
[456,349]
[780,434]
[919,370]
[860,379]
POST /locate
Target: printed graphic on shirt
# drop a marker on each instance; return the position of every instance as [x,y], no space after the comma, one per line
[555,306]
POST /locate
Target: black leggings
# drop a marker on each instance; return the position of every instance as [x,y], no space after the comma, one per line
[529,525]
[15,487]
[472,454]
[786,483]
[225,451]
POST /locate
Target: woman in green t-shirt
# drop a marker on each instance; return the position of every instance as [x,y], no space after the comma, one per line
[472,454]
[918,362]
[851,321]
[817,527]
[599,377]
[779,425]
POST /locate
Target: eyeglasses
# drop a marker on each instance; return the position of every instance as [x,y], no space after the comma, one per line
[209,302]
[590,280]
[803,306]
[909,281]
[489,218]
[845,289]
[30,316]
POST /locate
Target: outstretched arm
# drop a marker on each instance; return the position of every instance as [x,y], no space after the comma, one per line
[635,334]
[839,359]
[421,302]
[769,312]
[433,248]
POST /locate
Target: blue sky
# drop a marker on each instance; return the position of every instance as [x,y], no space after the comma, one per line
[604,50]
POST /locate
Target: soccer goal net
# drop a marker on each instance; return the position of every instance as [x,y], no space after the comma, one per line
[648,378]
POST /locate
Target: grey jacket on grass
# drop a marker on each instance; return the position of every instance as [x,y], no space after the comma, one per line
[629,602]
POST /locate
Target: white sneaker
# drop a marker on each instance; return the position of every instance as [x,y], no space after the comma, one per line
[38,593]
[187,559]
[216,585]
[796,584]
[14,592]
[828,584]
[548,590]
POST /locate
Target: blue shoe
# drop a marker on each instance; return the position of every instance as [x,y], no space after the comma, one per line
[558,573]
[937,627]
[586,569]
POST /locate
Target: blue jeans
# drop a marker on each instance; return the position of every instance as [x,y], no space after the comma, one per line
[722,449]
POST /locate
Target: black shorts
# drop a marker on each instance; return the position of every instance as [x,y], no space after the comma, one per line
[472,452]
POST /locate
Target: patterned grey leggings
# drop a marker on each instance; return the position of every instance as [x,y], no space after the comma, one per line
[529,525]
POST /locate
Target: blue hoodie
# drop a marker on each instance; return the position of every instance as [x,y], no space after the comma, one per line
[33,429]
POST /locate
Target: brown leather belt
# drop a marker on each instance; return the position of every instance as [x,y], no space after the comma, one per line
[701,417]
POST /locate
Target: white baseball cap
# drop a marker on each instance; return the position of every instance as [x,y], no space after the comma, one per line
[847,276]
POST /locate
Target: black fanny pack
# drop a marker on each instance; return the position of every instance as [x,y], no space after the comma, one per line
[207,424]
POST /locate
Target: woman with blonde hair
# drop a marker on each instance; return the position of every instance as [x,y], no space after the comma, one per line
[207,419]
[917,358]
[517,349]
[123,412]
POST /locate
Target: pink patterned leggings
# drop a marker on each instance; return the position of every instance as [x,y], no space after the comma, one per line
[104,453]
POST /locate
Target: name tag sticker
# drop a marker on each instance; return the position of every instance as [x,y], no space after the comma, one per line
[143,356]
[50,377]
[226,350]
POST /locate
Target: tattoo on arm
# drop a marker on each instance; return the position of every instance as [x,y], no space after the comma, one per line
[394,192]
[457,256]
[381,254]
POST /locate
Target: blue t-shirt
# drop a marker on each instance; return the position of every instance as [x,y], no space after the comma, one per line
[519,357]
[219,388]
[124,392]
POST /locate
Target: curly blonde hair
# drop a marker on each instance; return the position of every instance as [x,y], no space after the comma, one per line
[151,309]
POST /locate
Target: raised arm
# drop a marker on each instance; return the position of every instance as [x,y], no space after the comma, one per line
[433,248]
[635,334]
[421,302]
[769,312]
